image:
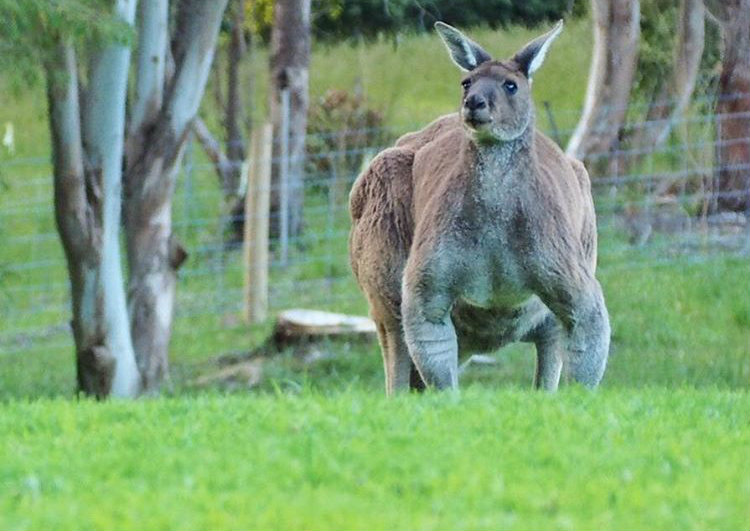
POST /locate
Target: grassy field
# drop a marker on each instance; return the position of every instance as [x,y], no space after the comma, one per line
[313,444]
[652,459]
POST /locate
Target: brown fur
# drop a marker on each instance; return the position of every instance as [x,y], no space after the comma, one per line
[457,240]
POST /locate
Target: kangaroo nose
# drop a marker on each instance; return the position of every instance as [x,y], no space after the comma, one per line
[475,102]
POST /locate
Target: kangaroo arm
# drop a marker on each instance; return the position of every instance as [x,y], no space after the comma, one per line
[428,330]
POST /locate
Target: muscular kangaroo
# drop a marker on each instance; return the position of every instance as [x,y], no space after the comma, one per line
[478,231]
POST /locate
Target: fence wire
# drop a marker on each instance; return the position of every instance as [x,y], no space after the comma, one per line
[655,205]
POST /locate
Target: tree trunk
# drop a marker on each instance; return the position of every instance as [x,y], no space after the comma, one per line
[87,158]
[103,133]
[154,150]
[687,60]
[233,112]
[289,63]
[228,161]
[732,189]
[151,65]
[616,32]
[673,94]
[78,216]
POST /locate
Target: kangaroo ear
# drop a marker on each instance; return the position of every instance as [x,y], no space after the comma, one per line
[530,57]
[465,53]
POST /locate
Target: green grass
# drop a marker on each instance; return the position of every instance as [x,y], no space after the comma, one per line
[652,459]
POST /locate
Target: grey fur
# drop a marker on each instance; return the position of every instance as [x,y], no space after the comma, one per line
[478,231]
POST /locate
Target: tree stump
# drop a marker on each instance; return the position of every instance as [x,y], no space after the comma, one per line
[300,326]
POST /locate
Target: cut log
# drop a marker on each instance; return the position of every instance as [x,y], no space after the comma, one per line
[244,374]
[301,326]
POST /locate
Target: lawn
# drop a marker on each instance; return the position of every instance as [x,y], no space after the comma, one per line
[350,459]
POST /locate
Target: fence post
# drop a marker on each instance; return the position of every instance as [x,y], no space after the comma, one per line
[255,237]
[188,167]
[284,178]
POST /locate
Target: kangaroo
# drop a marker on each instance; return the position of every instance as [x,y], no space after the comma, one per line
[478,231]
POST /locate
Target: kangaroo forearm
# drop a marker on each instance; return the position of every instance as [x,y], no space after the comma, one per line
[434,349]
[588,343]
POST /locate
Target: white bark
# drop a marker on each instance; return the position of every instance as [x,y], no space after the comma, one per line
[153,33]
[87,154]
[103,126]
[154,152]
[201,30]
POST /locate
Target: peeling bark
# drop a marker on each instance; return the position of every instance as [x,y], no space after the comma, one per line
[78,217]
[732,180]
[616,33]
[155,149]
[121,349]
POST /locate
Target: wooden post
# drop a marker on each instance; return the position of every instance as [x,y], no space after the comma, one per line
[284,178]
[255,238]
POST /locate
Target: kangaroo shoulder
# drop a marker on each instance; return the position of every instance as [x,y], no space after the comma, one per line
[388,173]
[418,139]
[588,232]
[580,170]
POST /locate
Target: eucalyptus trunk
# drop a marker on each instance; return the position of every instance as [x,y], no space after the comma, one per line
[673,93]
[155,145]
[289,65]
[616,33]
[87,129]
[732,188]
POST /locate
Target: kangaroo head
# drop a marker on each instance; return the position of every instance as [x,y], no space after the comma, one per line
[496,101]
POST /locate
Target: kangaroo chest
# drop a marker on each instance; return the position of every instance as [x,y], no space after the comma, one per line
[495,304]
[493,212]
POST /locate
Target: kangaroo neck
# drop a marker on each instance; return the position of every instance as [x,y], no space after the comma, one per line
[502,153]
[500,162]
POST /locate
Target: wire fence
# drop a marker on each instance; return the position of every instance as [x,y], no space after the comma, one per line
[655,204]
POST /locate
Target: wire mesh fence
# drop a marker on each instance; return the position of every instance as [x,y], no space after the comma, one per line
[655,203]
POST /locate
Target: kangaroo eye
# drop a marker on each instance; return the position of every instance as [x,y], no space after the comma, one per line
[510,87]
[466,83]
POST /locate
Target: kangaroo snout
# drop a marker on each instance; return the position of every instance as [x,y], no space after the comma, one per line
[474,102]
[475,111]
